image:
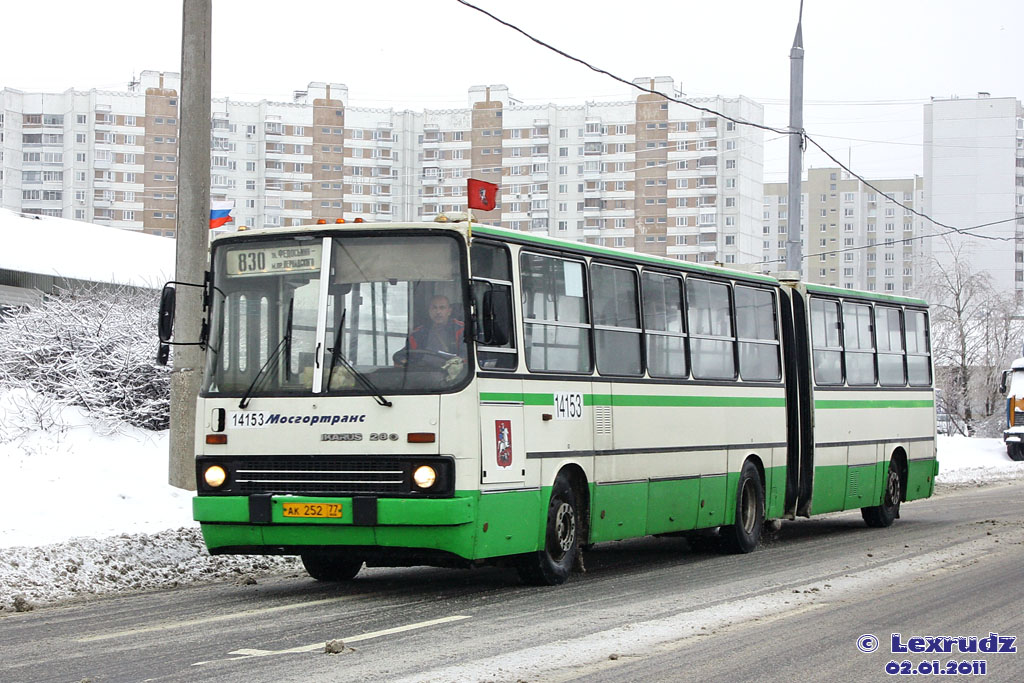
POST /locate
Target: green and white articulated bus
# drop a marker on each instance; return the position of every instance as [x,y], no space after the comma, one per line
[594,395]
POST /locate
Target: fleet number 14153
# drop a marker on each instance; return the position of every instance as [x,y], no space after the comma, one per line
[568,405]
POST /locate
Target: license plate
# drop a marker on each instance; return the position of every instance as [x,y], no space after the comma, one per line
[312,510]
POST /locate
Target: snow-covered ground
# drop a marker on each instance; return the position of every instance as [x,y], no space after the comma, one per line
[87,510]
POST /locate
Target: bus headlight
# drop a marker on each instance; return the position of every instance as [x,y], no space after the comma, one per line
[424,476]
[215,476]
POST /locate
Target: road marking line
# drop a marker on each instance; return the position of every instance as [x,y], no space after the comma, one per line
[247,653]
[209,620]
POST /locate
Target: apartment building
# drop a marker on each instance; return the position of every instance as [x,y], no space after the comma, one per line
[649,175]
[974,162]
[853,236]
[646,174]
[98,156]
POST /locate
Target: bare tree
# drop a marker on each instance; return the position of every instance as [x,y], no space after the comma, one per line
[975,335]
[90,347]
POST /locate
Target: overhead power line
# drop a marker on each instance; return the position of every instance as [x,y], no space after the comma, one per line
[951,228]
[742,122]
[807,138]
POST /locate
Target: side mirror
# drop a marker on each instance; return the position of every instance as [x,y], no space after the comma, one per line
[165,321]
[165,324]
[496,317]
[1003,381]
[165,318]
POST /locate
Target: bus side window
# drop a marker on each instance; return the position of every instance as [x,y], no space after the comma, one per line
[556,325]
[919,369]
[709,318]
[889,335]
[860,351]
[663,325]
[616,320]
[828,351]
[492,273]
[758,334]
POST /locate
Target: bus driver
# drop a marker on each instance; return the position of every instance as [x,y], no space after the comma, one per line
[442,333]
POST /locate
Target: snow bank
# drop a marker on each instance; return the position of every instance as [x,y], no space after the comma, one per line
[75,479]
[90,566]
[88,511]
[966,461]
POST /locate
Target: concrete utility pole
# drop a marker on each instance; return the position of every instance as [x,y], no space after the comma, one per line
[794,251]
[192,234]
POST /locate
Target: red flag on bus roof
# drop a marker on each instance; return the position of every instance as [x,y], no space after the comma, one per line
[481,194]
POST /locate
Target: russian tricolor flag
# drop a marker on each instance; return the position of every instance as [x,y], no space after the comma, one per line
[220,213]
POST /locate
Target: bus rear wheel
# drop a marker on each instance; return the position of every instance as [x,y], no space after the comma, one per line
[881,516]
[551,566]
[331,567]
[744,535]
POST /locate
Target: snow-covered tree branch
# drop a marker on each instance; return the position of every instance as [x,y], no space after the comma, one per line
[975,336]
[92,347]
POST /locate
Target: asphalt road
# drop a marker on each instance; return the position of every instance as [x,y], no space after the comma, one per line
[650,609]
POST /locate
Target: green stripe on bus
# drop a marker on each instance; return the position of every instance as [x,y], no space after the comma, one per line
[700,401]
[643,400]
[853,404]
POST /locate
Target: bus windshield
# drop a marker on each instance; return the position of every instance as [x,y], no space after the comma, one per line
[389,318]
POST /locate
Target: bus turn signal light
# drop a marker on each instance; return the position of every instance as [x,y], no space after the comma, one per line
[217,439]
[421,437]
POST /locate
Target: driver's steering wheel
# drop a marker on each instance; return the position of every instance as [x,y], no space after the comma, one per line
[432,360]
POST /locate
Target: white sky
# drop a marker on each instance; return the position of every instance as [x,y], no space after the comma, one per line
[869,65]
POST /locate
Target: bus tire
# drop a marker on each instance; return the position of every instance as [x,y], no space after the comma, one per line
[744,535]
[552,565]
[881,516]
[1015,451]
[331,567]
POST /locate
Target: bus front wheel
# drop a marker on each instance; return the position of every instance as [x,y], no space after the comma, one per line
[1015,451]
[880,516]
[744,535]
[551,565]
[331,567]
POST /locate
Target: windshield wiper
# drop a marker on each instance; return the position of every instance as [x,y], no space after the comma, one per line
[285,346]
[337,355]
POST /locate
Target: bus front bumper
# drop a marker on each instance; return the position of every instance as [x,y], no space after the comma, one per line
[258,525]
